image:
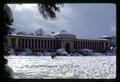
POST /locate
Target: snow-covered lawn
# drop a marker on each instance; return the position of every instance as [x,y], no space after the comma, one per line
[74,67]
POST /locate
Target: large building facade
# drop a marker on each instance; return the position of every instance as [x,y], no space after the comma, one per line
[59,40]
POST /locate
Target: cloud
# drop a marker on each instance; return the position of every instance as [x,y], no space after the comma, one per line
[23,7]
[84,20]
[112,28]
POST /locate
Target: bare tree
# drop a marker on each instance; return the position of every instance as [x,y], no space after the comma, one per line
[40,32]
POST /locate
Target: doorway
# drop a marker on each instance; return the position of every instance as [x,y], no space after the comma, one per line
[67,47]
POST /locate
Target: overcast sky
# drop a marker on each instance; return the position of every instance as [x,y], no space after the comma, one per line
[83,20]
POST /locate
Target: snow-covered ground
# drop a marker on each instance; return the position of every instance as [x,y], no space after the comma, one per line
[66,67]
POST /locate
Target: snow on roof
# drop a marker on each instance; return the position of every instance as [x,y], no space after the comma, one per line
[93,39]
[33,36]
[62,32]
[105,36]
[102,39]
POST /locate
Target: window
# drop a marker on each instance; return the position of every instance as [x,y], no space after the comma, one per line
[32,43]
[22,43]
[25,43]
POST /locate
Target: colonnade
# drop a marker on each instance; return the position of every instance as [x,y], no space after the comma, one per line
[52,44]
[37,44]
[94,45]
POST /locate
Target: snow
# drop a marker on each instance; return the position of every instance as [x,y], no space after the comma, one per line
[86,52]
[36,36]
[62,32]
[11,51]
[61,51]
[64,67]
[105,36]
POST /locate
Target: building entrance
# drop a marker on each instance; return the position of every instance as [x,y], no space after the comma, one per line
[67,47]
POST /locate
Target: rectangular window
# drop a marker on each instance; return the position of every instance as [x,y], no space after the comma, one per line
[25,43]
[35,43]
[45,43]
[13,42]
[75,45]
[78,46]
[48,46]
[32,43]
[41,43]
[81,45]
[29,43]
[51,43]
[22,43]
[19,42]
[55,44]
